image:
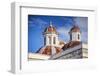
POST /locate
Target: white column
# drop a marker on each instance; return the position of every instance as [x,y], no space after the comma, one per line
[57,42]
[52,40]
[47,40]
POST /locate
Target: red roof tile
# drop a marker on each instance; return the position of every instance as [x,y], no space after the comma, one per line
[71,44]
[48,50]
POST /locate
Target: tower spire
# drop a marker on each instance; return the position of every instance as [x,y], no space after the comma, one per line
[51,23]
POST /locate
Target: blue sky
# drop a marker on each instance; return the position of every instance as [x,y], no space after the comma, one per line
[37,24]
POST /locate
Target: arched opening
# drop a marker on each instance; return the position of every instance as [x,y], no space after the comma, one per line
[50,40]
[70,37]
[54,40]
[44,40]
[78,36]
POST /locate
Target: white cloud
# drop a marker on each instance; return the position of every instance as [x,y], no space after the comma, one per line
[63,34]
[62,30]
[37,22]
[84,36]
[82,22]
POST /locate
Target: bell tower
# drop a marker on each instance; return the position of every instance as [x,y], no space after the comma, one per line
[50,36]
[75,33]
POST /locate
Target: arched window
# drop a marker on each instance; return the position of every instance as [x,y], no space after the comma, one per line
[78,36]
[44,40]
[50,40]
[54,40]
[70,37]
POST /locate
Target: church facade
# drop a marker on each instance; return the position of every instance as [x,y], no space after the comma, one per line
[55,49]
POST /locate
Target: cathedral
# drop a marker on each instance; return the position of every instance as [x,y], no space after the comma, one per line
[55,49]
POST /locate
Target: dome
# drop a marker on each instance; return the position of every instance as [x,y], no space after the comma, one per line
[75,29]
[47,50]
[61,43]
[50,29]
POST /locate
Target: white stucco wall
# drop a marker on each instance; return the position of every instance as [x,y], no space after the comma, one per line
[34,56]
[75,36]
[52,36]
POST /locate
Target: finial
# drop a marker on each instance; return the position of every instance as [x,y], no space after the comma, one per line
[51,23]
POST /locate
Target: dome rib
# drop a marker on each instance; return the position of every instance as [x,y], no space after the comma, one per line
[50,29]
[75,29]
